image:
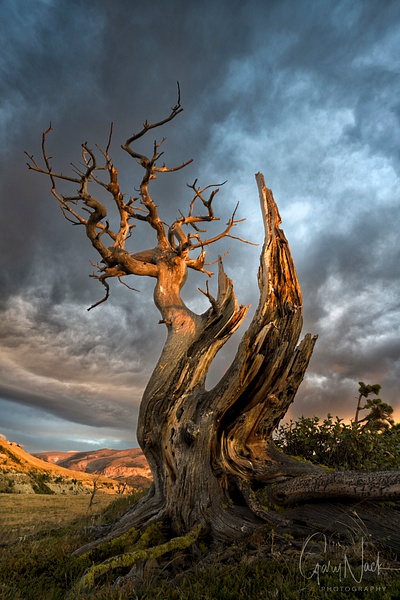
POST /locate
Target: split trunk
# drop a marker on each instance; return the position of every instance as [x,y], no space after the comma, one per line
[208,448]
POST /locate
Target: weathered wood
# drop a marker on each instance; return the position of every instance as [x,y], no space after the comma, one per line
[196,440]
[207,447]
[379,485]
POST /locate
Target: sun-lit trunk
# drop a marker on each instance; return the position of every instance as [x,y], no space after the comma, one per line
[207,448]
[177,427]
[198,442]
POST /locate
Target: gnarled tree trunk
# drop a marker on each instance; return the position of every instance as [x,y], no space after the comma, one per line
[206,448]
[198,441]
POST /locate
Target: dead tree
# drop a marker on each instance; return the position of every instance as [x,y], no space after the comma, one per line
[95,488]
[206,448]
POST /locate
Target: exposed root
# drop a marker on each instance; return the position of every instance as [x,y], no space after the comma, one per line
[258,509]
[140,552]
[147,512]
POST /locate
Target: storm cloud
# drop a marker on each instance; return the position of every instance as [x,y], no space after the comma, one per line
[305,92]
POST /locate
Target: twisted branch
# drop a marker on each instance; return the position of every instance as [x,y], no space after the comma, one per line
[171,240]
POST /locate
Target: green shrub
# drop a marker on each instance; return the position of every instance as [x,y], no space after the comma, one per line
[339,445]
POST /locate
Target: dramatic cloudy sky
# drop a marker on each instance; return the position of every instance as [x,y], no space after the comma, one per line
[306,92]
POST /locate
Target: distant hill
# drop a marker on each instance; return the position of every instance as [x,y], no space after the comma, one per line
[128,465]
[23,473]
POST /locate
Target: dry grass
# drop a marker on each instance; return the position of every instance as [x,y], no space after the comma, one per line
[26,514]
[264,566]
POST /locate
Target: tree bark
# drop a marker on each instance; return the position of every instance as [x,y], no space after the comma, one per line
[198,441]
[206,448]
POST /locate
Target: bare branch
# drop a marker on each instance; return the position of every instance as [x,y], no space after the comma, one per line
[151,170]
[147,126]
[165,169]
[208,295]
[198,263]
[109,139]
[63,210]
[107,294]
[46,158]
[231,223]
[118,262]
[182,242]
[199,194]
[35,167]
[175,230]
[219,259]
[83,179]
[126,285]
